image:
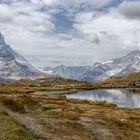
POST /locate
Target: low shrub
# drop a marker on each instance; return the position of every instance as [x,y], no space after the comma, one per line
[14,104]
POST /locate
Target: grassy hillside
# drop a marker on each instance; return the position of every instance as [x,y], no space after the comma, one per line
[131,80]
[43,84]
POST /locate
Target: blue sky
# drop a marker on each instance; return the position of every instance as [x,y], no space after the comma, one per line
[71,32]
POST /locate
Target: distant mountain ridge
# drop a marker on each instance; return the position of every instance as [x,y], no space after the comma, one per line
[100,71]
[13,65]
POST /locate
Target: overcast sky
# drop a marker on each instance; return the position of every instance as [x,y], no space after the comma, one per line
[70,32]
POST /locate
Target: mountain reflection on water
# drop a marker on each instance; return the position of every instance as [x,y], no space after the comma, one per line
[122,98]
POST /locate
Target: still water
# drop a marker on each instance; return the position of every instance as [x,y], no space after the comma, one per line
[122,98]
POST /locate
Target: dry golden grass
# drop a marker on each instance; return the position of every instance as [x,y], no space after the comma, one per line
[61,116]
[26,90]
[10,129]
[43,84]
[19,103]
[121,81]
[14,104]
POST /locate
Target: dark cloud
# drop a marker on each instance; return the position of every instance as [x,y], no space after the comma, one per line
[130,9]
[96,39]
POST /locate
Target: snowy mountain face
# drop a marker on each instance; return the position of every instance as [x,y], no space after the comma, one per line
[71,72]
[101,71]
[68,72]
[13,65]
[120,66]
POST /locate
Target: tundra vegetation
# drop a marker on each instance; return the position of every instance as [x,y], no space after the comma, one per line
[44,117]
[29,116]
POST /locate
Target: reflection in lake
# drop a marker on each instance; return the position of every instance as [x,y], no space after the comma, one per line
[122,98]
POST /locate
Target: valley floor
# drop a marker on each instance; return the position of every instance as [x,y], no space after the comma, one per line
[27,117]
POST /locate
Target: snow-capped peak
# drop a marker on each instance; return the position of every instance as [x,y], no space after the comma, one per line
[12,64]
[99,71]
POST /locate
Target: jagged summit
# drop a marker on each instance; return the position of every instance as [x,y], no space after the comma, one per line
[12,64]
[7,53]
[101,71]
[134,53]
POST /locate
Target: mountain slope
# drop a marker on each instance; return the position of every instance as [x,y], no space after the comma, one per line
[119,66]
[101,71]
[131,80]
[71,72]
[13,65]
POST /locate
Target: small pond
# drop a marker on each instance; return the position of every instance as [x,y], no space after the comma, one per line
[122,98]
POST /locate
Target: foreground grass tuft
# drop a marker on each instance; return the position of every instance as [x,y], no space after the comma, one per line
[13,104]
[10,129]
[20,104]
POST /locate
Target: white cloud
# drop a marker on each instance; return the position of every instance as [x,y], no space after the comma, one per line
[30,28]
[114,34]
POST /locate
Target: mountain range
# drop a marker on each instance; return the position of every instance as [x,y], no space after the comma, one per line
[100,71]
[13,65]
